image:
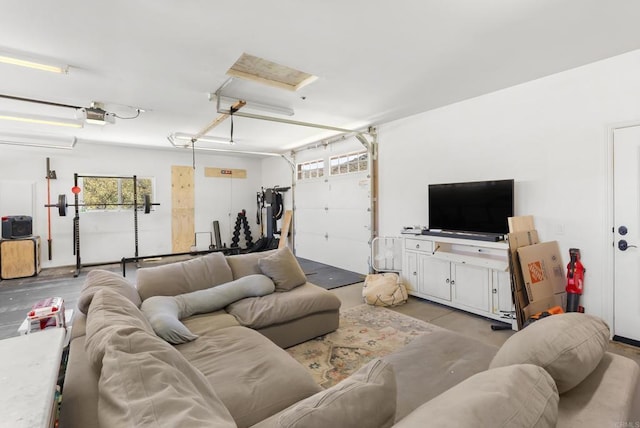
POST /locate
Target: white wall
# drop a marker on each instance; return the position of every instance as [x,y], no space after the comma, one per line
[109,236]
[550,135]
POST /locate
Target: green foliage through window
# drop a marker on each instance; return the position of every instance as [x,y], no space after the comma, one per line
[106,193]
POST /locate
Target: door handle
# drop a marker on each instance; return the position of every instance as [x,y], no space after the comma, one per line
[623,245]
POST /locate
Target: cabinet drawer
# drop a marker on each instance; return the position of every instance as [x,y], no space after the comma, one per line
[418,245]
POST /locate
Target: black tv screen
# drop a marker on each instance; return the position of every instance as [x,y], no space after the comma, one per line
[481,206]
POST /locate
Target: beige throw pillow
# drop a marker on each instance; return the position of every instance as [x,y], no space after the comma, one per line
[98,279]
[183,277]
[568,346]
[283,268]
[522,396]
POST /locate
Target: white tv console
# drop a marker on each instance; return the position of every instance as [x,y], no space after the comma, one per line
[465,274]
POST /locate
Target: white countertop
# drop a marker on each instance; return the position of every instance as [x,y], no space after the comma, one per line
[29,367]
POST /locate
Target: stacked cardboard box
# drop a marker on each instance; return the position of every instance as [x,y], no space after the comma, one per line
[537,271]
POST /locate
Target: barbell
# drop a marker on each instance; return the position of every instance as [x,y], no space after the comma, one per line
[62,205]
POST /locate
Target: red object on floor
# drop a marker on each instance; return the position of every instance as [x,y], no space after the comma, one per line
[575,281]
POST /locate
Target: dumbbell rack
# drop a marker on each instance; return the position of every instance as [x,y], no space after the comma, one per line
[241,221]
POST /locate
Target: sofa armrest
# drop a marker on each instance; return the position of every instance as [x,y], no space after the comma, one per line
[609,396]
[80,392]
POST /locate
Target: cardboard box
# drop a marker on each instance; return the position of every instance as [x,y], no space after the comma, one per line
[542,305]
[517,240]
[542,270]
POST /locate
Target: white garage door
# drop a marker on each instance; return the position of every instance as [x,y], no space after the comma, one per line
[333,200]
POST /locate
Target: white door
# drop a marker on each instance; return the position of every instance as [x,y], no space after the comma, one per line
[626,181]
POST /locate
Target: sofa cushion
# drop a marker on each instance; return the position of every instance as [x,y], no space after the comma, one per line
[98,279]
[444,357]
[145,382]
[253,377]
[259,312]
[608,396]
[569,346]
[183,277]
[165,312]
[283,268]
[246,264]
[521,395]
[207,323]
[110,314]
[366,399]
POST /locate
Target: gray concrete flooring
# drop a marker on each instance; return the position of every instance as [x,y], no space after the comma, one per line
[470,325]
[18,295]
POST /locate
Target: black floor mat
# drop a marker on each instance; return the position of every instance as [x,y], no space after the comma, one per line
[327,276]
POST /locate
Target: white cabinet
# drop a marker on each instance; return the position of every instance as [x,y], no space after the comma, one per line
[501,300]
[410,271]
[435,277]
[465,274]
[470,286]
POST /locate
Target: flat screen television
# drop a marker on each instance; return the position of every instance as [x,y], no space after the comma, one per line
[480,206]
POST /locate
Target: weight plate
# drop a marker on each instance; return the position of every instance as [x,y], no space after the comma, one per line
[62,205]
[147,204]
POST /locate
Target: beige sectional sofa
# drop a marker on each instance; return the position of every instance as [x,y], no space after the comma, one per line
[227,367]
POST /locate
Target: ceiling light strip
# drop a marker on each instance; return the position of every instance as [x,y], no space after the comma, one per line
[15,59]
[212,149]
[42,141]
[40,120]
[177,137]
[287,121]
[254,105]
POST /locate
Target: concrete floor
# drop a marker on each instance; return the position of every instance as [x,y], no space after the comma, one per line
[17,296]
[471,325]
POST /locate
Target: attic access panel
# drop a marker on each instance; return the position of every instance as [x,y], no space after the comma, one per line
[270,73]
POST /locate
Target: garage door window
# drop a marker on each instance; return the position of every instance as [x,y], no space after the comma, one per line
[311,169]
[349,162]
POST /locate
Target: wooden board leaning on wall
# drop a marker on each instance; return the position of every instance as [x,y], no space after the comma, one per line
[225,172]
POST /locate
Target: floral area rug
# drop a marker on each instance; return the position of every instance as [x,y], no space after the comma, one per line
[366,332]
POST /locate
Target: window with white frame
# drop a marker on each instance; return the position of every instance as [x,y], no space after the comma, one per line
[349,162]
[311,169]
[112,194]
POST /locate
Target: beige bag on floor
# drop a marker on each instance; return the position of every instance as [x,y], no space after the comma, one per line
[384,289]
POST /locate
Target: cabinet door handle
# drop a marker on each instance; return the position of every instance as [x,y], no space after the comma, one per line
[495,291]
[417,246]
[415,273]
[447,281]
[453,282]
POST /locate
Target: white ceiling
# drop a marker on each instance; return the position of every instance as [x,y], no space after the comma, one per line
[376,60]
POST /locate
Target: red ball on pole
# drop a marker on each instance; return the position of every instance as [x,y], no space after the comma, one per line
[75,190]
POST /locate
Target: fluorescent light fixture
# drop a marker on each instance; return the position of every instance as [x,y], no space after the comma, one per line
[23,60]
[254,105]
[182,139]
[235,152]
[40,120]
[38,140]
